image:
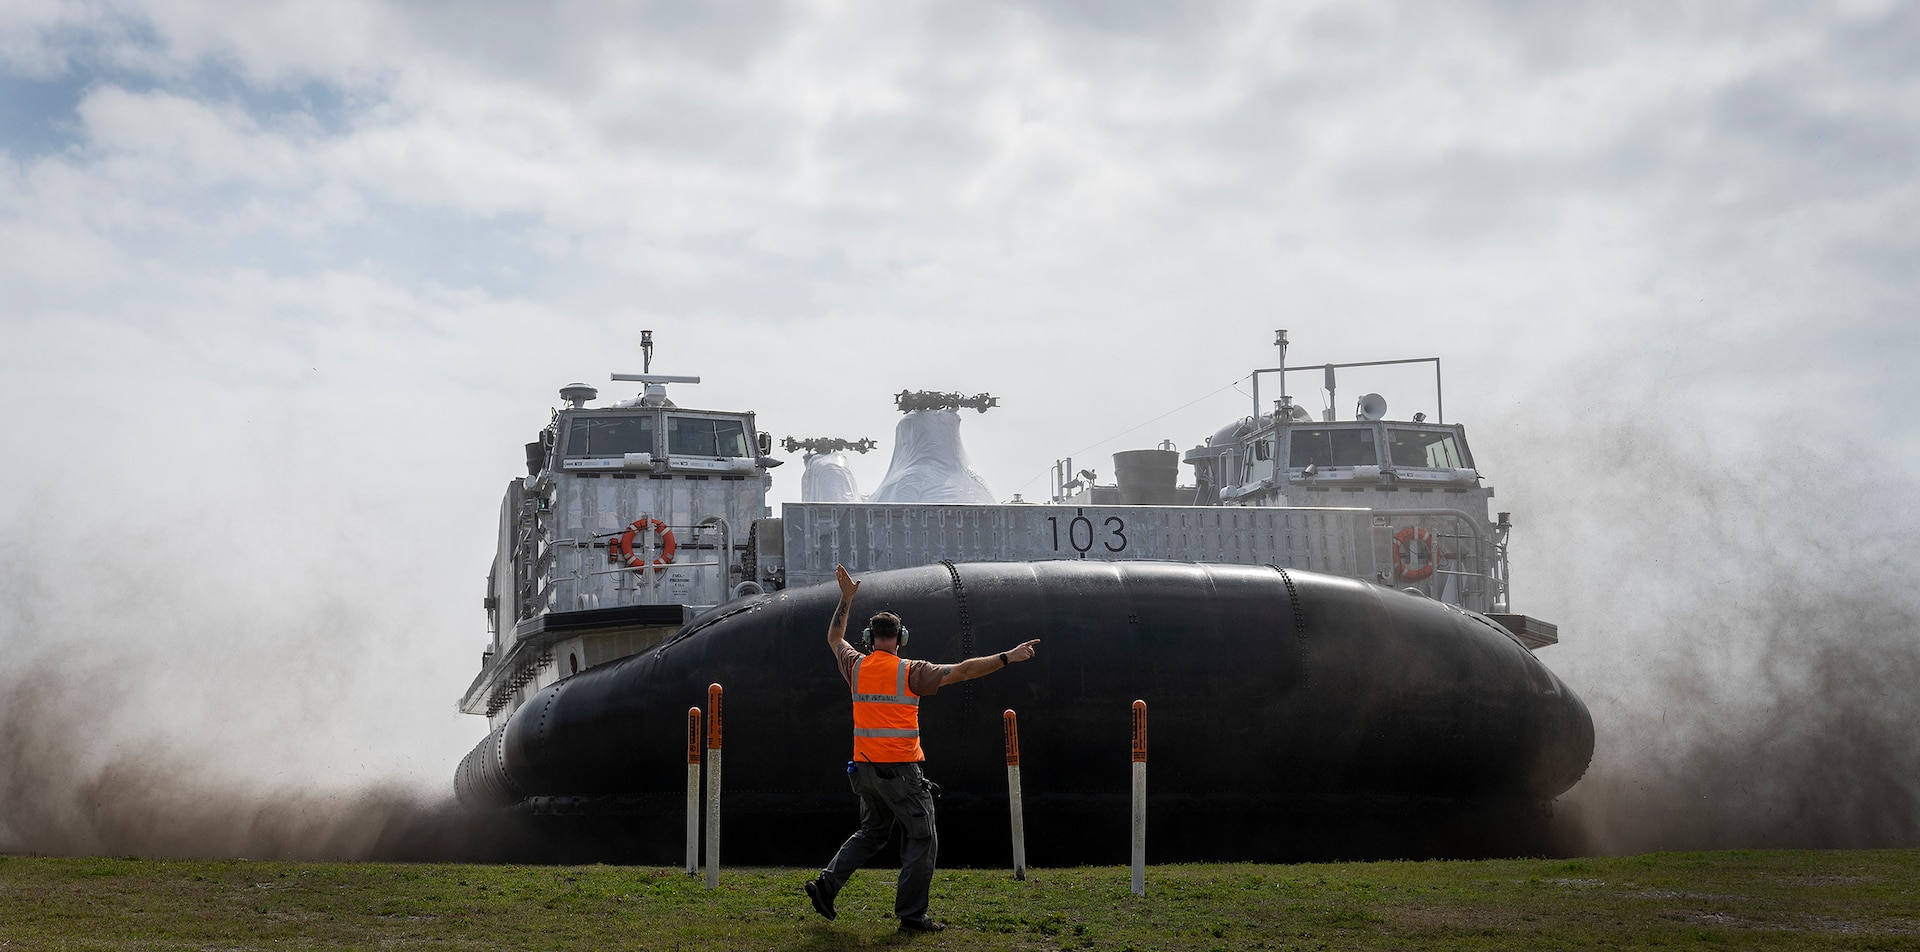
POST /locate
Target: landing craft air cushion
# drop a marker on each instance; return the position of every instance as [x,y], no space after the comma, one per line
[1325,680]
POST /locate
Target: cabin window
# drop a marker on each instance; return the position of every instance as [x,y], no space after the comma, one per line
[1427,449]
[610,436]
[1330,447]
[706,436]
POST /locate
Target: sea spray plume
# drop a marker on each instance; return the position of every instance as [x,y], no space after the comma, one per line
[1743,624]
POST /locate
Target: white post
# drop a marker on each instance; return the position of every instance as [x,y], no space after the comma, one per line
[693,790]
[713,786]
[1139,798]
[1013,796]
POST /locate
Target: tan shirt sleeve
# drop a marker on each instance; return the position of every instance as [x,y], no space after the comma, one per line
[924,677]
[848,660]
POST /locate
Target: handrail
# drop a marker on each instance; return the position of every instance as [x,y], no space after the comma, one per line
[1482,558]
[1462,513]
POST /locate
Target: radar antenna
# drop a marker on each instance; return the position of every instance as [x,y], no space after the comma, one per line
[655,394]
[822,445]
[911,400]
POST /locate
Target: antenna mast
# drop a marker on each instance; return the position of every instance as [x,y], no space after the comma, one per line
[655,395]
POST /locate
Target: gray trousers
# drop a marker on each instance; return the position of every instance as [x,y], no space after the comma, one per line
[892,794]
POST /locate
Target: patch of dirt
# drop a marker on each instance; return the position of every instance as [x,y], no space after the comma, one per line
[1835,879]
[1850,927]
[1439,918]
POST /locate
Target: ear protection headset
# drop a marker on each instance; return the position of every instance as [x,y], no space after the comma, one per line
[866,636]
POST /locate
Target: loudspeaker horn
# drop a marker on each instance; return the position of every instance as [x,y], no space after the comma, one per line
[1372,407]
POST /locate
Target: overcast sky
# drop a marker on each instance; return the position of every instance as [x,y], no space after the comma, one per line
[284,287]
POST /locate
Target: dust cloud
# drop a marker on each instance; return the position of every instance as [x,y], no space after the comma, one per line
[1741,617]
[1740,614]
[61,795]
[196,706]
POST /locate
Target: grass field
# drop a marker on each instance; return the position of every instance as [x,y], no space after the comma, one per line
[1730,900]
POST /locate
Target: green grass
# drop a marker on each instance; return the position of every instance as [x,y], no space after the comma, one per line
[1730,900]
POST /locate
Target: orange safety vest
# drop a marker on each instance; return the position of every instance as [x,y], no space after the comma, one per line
[886,715]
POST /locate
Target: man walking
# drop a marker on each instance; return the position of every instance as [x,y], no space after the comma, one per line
[885,770]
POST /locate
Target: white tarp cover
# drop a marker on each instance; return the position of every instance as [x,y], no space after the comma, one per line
[929,464]
[827,478]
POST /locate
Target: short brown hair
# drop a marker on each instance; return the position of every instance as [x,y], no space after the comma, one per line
[884,625]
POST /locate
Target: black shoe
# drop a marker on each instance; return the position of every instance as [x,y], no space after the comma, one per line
[922,924]
[822,895]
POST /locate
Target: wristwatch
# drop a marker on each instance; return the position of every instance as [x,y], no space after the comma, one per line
[1003,659]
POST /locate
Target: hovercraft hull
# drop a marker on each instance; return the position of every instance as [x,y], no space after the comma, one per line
[1292,715]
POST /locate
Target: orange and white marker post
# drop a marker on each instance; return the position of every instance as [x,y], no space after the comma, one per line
[713,785]
[1139,798]
[693,790]
[1013,794]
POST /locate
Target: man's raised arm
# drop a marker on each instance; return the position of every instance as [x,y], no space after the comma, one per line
[837,632]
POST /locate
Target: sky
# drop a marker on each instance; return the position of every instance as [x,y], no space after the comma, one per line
[285,286]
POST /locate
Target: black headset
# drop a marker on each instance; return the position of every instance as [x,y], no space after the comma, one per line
[866,636]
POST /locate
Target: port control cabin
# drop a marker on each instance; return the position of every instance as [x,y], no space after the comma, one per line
[633,518]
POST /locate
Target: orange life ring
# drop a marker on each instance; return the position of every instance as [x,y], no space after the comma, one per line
[1404,542]
[642,524]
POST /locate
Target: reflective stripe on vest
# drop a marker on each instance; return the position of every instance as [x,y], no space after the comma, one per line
[886,726]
